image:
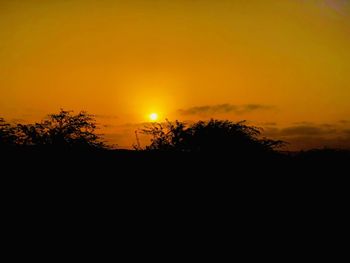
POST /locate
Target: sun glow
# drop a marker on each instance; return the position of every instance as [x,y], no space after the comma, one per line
[153,116]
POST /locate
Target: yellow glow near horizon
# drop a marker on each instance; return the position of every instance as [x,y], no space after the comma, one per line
[153,116]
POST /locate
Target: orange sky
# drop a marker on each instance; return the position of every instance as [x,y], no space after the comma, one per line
[283,65]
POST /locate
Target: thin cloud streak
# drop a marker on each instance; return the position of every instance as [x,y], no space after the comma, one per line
[223,108]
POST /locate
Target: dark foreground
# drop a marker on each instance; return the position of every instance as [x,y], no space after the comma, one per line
[33,162]
[136,192]
[134,180]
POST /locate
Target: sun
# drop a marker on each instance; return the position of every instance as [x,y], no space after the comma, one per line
[153,116]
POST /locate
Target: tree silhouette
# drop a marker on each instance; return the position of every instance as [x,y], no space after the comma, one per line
[7,134]
[214,136]
[61,130]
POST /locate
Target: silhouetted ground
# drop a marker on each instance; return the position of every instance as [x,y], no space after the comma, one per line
[216,167]
[65,148]
[33,161]
[135,192]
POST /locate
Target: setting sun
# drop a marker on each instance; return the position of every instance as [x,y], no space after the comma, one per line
[153,116]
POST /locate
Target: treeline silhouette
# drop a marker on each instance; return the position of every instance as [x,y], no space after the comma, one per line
[216,147]
[219,170]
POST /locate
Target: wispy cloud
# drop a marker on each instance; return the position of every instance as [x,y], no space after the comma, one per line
[303,130]
[308,136]
[223,108]
[269,124]
[106,116]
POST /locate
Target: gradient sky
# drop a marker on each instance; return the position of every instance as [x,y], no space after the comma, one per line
[280,64]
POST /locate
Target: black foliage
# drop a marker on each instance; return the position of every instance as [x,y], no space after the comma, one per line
[7,134]
[68,143]
[61,130]
[214,136]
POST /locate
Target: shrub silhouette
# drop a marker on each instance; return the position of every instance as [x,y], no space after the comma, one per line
[214,136]
[61,130]
[7,134]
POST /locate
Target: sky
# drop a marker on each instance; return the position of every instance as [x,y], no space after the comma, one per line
[279,64]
